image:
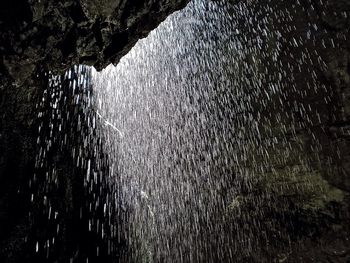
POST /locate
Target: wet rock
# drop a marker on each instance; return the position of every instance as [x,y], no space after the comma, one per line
[59,34]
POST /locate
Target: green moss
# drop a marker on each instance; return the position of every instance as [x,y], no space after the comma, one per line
[236,203]
[303,187]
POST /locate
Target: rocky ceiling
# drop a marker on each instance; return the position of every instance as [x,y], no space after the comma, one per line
[56,34]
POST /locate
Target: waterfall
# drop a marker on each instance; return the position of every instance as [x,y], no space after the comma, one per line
[184,115]
[201,144]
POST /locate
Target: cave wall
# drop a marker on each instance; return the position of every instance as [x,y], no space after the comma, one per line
[18,133]
[300,157]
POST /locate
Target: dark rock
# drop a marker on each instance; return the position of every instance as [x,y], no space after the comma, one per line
[56,35]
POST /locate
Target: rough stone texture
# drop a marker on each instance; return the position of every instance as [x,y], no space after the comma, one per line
[57,34]
[302,185]
[18,130]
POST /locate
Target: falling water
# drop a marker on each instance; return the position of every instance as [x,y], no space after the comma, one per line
[204,133]
[191,111]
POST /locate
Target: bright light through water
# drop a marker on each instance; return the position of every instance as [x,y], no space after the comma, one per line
[201,129]
[181,121]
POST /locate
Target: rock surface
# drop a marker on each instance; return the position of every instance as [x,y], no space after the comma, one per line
[304,175]
[54,35]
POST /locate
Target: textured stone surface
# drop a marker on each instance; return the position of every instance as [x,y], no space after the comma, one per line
[302,184]
[55,35]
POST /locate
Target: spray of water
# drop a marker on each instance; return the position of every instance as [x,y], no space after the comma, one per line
[200,135]
[202,115]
